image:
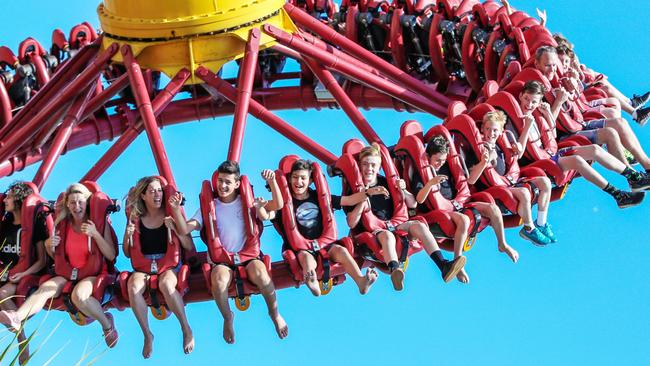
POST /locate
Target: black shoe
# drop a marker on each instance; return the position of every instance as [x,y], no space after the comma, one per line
[639,100]
[642,115]
[451,268]
[628,199]
[639,183]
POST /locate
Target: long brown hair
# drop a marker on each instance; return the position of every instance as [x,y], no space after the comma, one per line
[134,201]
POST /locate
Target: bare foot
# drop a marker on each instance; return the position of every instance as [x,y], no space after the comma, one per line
[280,326]
[397,278]
[9,318]
[188,341]
[313,286]
[229,329]
[147,349]
[23,348]
[462,276]
[513,254]
[368,280]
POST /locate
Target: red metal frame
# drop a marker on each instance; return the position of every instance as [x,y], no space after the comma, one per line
[244,90]
[143,104]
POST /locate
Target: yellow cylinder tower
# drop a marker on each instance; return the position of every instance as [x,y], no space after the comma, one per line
[168,35]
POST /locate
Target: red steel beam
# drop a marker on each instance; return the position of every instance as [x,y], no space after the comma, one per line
[62,136]
[100,99]
[244,88]
[339,65]
[344,101]
[264,115]
[330,35]
[143,104]
[5,106]
[159,103]
[63,75]
[97,129]
[78,85]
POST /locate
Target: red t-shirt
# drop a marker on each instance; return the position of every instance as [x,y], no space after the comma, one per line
[76,248]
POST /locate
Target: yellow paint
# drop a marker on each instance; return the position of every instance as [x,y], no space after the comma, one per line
[168,35]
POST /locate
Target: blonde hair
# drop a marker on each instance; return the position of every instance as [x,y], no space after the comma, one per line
[372,150]
[134,201]
[62,205]
[497,117]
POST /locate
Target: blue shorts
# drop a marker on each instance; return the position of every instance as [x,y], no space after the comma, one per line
[560,153]
[590,129]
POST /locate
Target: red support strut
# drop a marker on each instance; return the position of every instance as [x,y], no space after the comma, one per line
[339,65]
[25,133]
[344,101]
[143,103]
[62,136]
[159,104]
[245,87]
[330,35]
[264,115]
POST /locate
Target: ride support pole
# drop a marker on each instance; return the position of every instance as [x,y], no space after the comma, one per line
[64,74]
[159,103]
[330,35]
[143,104]
[244,88]
[75,87]
[5,106]
[339,65]
[264,115]
[42,74]
[344,101]
[100,99]
[72,117]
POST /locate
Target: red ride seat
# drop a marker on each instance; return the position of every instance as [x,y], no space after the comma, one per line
[366,243]
[536,155]
[240,288]
[289,229]
[468,142]
[414,165]
[155,267]
[34,208]
[100,206]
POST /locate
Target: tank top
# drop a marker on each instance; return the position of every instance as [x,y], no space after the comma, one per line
[76,248]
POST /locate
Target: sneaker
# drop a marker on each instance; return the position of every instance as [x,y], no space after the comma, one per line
[639,183]
[639,100]
[451,268]
[546,230]
[628,199]
[397,278]
[535,236]
[642,115]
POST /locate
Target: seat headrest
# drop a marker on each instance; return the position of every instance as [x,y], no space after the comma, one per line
[287,162]
[410,127]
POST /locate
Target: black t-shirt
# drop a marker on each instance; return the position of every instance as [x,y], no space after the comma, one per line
[308,215]
[10,240]
[499,165]
[153,241]
[447,187]
[380,205]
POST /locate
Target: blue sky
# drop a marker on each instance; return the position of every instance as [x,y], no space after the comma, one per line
[583,300]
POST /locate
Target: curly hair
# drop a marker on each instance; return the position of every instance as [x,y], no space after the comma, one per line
[134,201]
[62,205]
[437,145]
[20,191]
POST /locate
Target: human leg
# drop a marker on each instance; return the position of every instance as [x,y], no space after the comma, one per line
[492,212]
[220,277]
[308,264]
[7,293]
[35,303]
[136,286]
[167,282]
[259,276]
[341,255]
[82,297]
[629,140]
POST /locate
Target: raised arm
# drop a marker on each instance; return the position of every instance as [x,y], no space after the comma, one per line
[183,226]
[409,199]
[424,191]
[356,198]
[276,201]
[127,241]
[560,98]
